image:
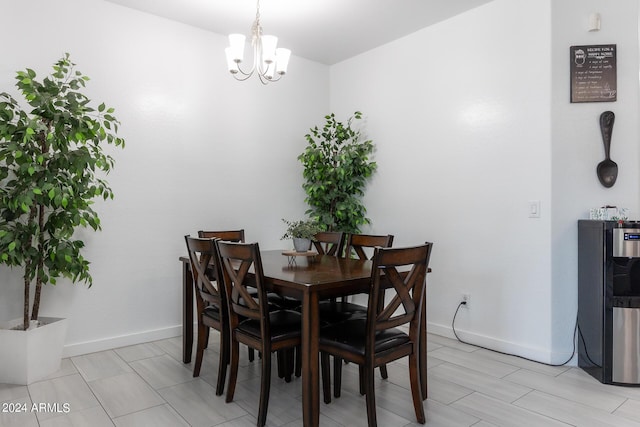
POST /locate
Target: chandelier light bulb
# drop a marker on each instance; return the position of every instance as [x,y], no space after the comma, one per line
[269,44]
[282,60]
[236,46]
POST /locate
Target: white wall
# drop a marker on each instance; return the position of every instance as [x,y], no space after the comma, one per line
[196,139]
[577,143]
[472,120]
[460,114]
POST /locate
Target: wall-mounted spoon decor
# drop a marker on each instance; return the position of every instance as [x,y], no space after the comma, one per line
[607,169]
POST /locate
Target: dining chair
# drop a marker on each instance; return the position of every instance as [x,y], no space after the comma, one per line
[250,320]
[356,246]
[329,242]
[376,339]
[228,235]
[231,236]
[210,304]
[359,246]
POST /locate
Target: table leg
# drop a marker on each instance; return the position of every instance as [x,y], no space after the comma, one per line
[187,313]
[310,357]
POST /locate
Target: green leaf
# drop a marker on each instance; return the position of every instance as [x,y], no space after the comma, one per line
[50,154]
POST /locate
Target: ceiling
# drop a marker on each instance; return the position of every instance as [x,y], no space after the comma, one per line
[326,31]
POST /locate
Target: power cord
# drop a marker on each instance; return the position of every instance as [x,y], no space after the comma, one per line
[511,354]
[586,353]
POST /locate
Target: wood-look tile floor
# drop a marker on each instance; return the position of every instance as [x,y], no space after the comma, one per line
[148,385]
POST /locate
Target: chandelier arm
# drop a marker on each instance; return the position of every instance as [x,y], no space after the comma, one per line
[263,80]
[241,79]
[274,79]
[246,73]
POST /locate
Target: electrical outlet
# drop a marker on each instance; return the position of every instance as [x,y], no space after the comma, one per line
[466,298]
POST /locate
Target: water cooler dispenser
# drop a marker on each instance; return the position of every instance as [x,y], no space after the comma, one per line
[609,300]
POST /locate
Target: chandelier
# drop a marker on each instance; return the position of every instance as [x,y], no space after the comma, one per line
[269,63]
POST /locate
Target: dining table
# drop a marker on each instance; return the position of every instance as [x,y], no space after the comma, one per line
[308,278]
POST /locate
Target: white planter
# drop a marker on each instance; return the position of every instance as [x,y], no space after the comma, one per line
[29,356]
[301,245]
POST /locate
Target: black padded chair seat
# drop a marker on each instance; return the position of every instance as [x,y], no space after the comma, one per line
[212,311]
[287,303]
[351,335]
[284,324]
[273,299]
[339,311]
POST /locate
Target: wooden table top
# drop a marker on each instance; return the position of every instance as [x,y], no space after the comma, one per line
[324,274]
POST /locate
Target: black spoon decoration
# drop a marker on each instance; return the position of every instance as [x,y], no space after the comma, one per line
[607,169]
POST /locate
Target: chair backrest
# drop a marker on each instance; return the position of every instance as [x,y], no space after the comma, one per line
[402,271]
[358,242]
[329,242]
[202,256]
[235,260]
[228,235]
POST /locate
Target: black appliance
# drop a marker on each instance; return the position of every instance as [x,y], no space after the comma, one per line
[609,300]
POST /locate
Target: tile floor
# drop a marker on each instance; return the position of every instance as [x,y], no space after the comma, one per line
[147,385]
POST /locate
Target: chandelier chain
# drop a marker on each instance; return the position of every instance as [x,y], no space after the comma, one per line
[256,28]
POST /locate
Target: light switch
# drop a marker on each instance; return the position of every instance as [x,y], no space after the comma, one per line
[534,208]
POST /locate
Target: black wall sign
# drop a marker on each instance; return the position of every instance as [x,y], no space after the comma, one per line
[593,73]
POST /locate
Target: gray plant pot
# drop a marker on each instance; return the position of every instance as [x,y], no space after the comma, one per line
[301,245]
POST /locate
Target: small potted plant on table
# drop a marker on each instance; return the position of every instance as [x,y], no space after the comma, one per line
[302,233]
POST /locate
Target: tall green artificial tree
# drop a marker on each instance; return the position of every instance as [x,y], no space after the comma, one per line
[337,167]
[51,167]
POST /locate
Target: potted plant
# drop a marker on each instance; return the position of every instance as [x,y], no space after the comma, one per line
[52,165]
[302,233]
[336,171]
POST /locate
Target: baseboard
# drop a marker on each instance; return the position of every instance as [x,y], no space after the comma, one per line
[77,349]
[536,354]
[544,356]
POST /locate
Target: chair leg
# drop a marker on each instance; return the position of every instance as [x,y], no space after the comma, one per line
[222,366]
[337,376]
[383,372]
[363,383]
[200,346]
[223,361]
[252,355]
[416,388]
[265,385]
[288,364]
[367,374]
[206,341]
[298,351]
[233,374]
[280,363]
[326,375]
